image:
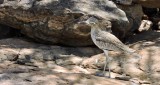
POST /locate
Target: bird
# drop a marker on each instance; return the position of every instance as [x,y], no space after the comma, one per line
[102,37]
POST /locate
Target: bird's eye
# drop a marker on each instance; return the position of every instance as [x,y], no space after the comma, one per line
[92,23]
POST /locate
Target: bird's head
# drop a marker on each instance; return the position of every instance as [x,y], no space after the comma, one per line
[92,21]
[99,23]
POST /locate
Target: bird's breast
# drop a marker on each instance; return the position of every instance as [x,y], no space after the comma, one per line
[94,34]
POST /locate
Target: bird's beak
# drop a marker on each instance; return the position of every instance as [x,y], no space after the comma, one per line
[84,22]
[87,22]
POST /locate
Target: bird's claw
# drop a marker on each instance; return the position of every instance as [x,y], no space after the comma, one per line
[102,75]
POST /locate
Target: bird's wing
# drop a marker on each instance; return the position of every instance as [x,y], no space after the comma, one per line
[110,42]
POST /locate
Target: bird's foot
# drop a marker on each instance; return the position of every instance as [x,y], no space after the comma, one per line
[102,75]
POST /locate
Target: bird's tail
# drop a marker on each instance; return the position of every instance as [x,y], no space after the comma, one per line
[129,50]
[134,53]
[135,58]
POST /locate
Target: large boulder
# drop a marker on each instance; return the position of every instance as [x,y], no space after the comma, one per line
[57,21]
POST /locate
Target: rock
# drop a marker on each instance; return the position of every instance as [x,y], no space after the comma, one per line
[1,1]
[148,3]
[69,60]
[149,49]
[57,22]
[155,19]
[150,12]
[6,32]
[27,52]
[145,25]
[153,15]
[24,75]
[78,65]
[147,35]
[123,77]
[159,25]
[134,14]
[123,64]
[145,69]
[134,81]
[59,79]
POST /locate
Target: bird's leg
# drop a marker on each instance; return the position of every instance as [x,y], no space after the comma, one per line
[124,75]
[107,62]
[123,67]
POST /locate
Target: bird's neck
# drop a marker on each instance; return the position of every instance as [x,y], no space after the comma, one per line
[95,29]
[98,29]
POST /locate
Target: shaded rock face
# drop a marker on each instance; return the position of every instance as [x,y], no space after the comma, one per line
[153,15]
[134,14]
[57,21]
[148,3]
[124,2]
[6,32]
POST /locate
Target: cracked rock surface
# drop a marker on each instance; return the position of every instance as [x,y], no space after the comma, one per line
[24,62]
